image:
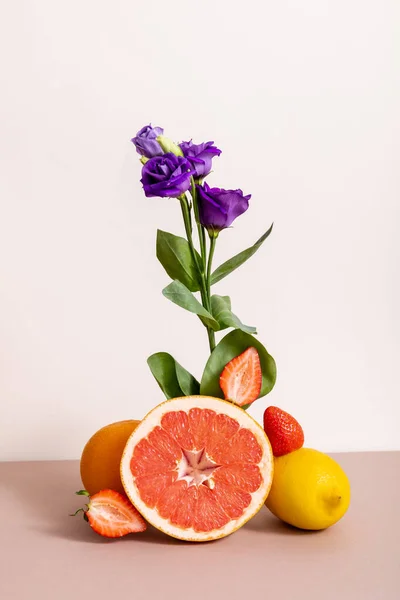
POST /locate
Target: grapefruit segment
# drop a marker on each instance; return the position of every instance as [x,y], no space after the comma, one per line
[233,499]
[197,467]
[146,460]
[245,476]
[209,514]
[222,429]
[177,425]
[151,487]
[200,422]
[184,513]
[167,448]
[170,498]
[243,447]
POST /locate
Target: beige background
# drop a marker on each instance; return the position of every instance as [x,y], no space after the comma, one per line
[303,99]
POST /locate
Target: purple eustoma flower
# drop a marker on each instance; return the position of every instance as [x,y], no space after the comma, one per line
[166,176]
[200,156]
[219,208]
[146,142]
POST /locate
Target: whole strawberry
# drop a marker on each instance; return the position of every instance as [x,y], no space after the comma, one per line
[284,432]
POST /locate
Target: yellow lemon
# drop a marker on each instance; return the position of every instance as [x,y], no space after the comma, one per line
[101,457]
[309,490]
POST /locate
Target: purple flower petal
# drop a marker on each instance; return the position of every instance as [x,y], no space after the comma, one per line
[218,208]
[146,143]
[166,176]
[200,156]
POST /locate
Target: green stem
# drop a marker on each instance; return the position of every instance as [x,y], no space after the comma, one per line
[211,338]
[213,240]
[200,228]
[203,249]
[201,267]
[194,198]
[188,228]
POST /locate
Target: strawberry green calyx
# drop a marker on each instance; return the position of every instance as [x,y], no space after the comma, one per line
[82,493]
[83,510]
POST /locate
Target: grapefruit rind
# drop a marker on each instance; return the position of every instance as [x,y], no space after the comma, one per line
[153,419]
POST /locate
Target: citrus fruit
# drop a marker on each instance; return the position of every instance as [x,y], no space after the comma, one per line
[101,457]
[310,490]
[197,467]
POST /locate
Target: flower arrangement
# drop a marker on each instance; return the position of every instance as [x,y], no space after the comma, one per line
[179,171]
[197,466]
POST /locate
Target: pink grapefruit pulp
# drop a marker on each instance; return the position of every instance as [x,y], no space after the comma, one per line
[197,467]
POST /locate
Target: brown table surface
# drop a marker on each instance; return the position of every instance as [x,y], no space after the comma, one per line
[48,555]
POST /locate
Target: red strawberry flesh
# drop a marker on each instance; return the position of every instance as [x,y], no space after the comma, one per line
[241,378]
[112,515]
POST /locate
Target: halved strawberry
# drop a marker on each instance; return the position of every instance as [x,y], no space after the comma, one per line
[284,432]
[241,378]
[111,514]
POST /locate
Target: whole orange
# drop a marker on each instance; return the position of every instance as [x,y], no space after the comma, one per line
[101,457]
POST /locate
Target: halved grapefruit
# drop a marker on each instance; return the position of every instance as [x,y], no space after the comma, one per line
[197,468]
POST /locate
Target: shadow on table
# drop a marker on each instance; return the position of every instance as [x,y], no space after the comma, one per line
[46,493]
[265,521]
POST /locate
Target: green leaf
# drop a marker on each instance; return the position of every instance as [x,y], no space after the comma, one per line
[230,346]
[180,295]
[221,310]
[172,378]
[188,384]
[174,254]
[235,262]
[162,365]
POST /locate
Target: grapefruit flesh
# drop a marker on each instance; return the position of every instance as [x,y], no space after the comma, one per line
[197,468]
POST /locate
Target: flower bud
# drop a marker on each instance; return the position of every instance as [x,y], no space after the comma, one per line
[169,146]
[146,143]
